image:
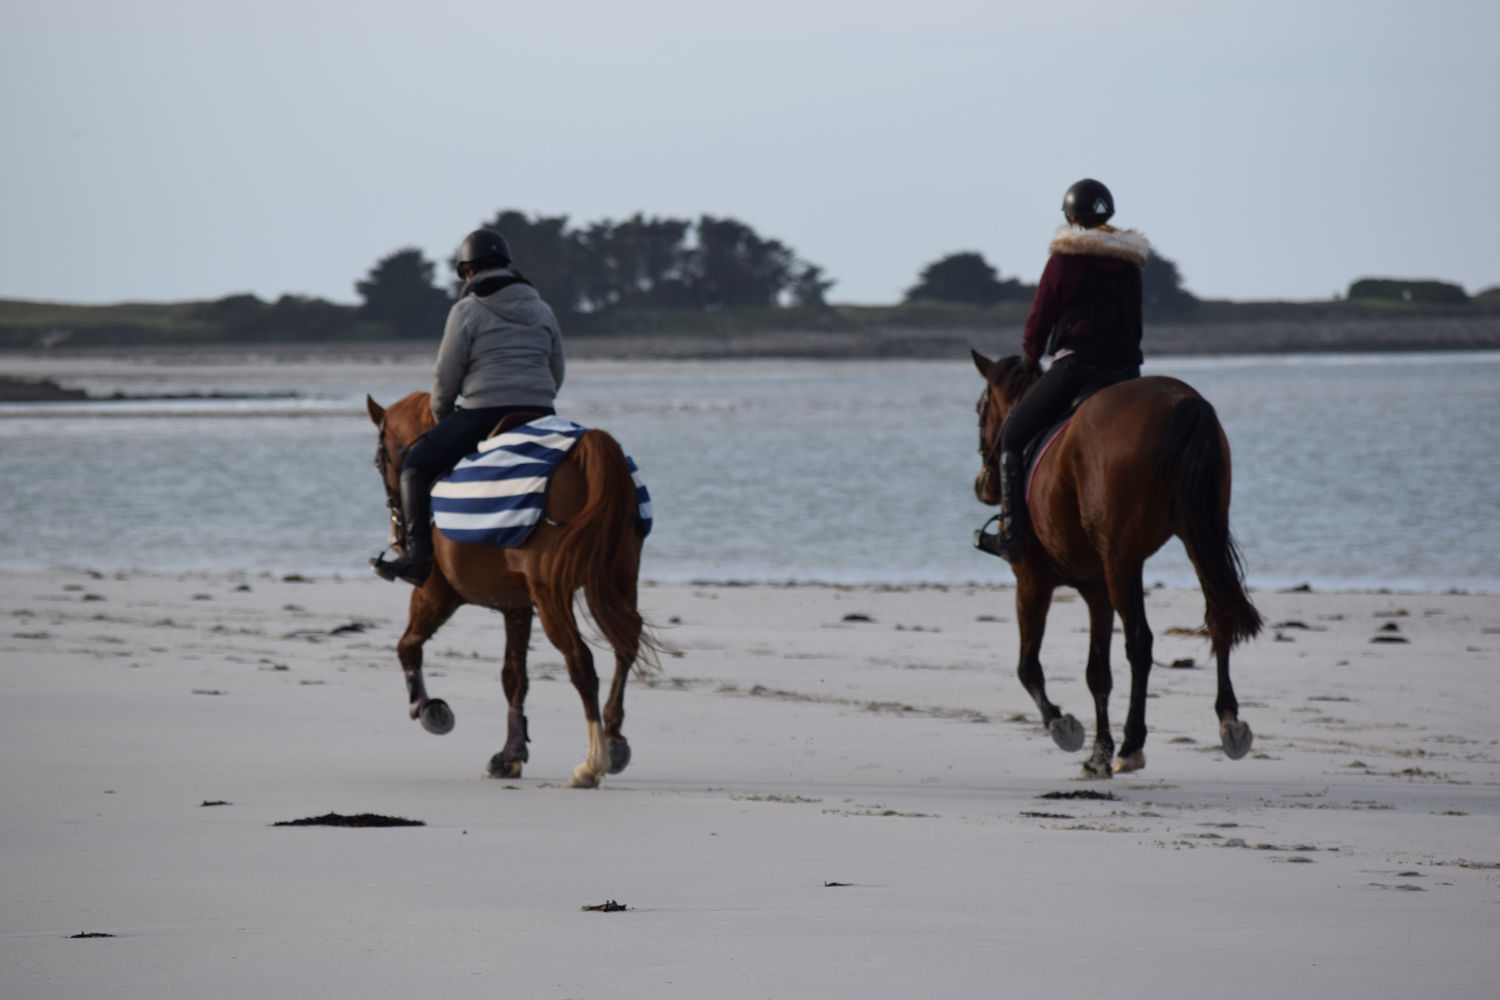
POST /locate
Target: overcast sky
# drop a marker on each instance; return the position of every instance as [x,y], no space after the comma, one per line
[162,151]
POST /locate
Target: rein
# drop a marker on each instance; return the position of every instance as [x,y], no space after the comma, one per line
[990,453]
[383,462]
[1011,390]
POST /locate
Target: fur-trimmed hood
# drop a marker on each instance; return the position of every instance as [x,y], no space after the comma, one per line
[1103,241]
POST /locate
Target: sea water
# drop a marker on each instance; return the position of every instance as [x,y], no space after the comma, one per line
[1350,471]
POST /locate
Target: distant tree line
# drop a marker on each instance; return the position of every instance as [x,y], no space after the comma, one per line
[642,273]
[399,293]
[674,264]
[244,317]
[968,278]
[1407,290]
[711,263]
[640,263]
[658,263]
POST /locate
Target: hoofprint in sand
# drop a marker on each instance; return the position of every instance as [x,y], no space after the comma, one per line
[836,791]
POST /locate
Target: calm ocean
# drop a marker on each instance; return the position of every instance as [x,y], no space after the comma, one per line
[1351,471]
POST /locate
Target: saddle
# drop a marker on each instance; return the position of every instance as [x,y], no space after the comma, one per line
[511,421]
[1031,456]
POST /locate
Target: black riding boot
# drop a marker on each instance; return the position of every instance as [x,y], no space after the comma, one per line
[415,562]
[1012,537]
[1009,540]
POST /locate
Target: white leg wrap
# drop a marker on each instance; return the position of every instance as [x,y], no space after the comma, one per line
[587,774]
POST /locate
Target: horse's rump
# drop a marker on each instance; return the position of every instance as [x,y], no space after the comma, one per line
[1144,460]
[1106,451]
[598,548]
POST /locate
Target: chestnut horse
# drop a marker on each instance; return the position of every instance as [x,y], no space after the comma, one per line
[588,540]
[1140,461]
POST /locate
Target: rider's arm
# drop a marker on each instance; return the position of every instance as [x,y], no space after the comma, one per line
[452,363]
[555,359]
[1046,308]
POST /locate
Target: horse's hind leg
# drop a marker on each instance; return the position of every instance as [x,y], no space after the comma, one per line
[1130,600]
[556,613]
[625,656]
[432,604]
[507,763]
[1100,678]
[614,714]
[1233,734]
[1033,598]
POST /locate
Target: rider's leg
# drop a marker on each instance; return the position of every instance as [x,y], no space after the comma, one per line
[415,561]
[454,437]
[416,506]
[1043,403]
[1012,533]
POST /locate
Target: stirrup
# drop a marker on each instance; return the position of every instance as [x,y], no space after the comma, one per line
[382,569]
[986,541]
[391,570]
[995,542]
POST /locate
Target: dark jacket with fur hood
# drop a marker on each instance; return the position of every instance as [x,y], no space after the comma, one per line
[1092,287]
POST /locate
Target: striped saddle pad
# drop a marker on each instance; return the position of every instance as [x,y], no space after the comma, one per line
[496,496]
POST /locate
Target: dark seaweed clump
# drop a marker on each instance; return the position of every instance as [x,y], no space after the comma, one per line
[1082,794]
[338,819]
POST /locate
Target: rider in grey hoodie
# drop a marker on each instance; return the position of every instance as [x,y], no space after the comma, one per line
[502,352]
[499,349]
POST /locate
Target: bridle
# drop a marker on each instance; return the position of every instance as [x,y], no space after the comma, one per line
[384,463]
[990,453]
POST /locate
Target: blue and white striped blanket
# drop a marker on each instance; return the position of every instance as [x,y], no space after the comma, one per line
[496,496]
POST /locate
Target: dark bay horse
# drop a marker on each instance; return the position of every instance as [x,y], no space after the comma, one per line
[1141,461]
[587,540]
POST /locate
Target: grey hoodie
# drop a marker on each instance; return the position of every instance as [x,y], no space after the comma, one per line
[504,349]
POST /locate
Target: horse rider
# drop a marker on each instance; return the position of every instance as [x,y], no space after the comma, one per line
[1087,316]
[502,352]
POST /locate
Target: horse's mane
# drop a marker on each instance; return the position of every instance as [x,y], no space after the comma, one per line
[409,417]
[1012,376]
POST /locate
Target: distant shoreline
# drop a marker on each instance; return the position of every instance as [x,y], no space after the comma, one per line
[47,390]
[1251,336]
[922,330]
[1396,334]
[41,381]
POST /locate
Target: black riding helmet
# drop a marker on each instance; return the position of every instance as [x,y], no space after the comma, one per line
[483,248]
[1089,203]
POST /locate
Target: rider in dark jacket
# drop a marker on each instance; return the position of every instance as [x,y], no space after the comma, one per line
[503,353]
[1087,315]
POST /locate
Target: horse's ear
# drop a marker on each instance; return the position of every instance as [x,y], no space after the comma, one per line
[377,412]
[984,364]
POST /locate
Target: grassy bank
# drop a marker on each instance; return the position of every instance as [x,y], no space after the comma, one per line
[906,330]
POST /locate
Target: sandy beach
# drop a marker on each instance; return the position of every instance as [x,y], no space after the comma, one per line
[835,792]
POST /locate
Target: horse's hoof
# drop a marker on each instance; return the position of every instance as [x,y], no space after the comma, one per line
[583,778]
[436,716]
[1134,762]
[502,768]
[1236,737]
[1067,733]
[1098,766]
[619,755]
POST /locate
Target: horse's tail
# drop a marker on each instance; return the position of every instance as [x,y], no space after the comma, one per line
[593,554]
[1194,462]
